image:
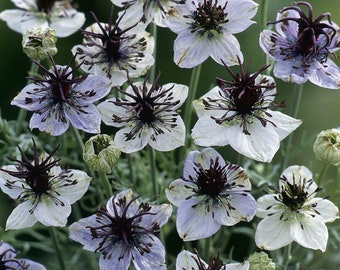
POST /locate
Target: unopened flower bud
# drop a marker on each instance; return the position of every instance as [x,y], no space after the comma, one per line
[38,42]
[100,153]
[327,146]
[261,261]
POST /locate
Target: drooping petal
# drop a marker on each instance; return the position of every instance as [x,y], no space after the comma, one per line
[119,256]
[273,233]
[153,260]
[170,138]
[74,185]
[261,144]
[206,132]
[138,142]
[20,217]
[178,191]
[239,14]
[190,56]
[51,212]
[310,232]
[192,212]
[284,123]
[83,235]
[65,26]
[225,48]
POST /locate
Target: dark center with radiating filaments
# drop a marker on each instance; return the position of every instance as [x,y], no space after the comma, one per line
[145,110]
[209,15]
[293,196]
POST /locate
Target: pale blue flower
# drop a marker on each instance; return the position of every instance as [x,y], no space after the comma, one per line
[211,193]
[124,231]
[44,191]
[8,259]
[302,47]
[207,27]
[59,98]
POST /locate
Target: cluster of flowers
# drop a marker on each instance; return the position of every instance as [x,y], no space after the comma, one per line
[238,112]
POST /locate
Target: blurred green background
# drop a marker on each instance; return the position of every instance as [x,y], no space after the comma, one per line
[319,110]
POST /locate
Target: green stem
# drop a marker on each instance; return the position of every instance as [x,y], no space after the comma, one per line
[298,90]
[322,174]
[264,20]
[153,171]
[56,243]
[78,138]
[288,255]
[153,68]
[22,113]
[106,183]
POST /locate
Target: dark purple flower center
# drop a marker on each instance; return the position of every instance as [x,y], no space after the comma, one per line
[147,103]
[36,174]
[309,30]
[111,37]
[45,5]
[243,98]
[295,195]
[209,16]
[59,80]
[123,227]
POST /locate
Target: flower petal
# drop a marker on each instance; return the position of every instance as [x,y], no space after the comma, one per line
[273,233]
[118,256]
[138,142]
[284,123]
[178,191]
[326,75]
[20,217]
[192,212]
[186,260]
[325,209]
[225,48]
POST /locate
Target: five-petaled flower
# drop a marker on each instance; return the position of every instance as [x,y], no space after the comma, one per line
[206,27]
[190,261]
[145,11]
[8,259]
[44,191]
[59,98]
[238,113]
[294,213]
[58,15]
[124,231]
[147,115]
[112,51]
[210,193]
[302,46]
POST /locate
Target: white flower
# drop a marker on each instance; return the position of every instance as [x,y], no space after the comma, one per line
[238,113]
[147,115]
[44,191]
[190,261]
[211,193]
[145,11]
[58,15]
[294,214]
[112,51]
[206,27]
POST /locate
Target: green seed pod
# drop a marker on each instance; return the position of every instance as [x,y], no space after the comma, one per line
[38,42]
[261,261]
[327,146]
[100,153]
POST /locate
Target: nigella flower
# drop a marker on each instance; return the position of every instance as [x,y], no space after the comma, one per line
[147,115]
[238,113]
[302,46]
[294,213]
[43,190]
[145,11]
[112,51]
[8,260]
[58,15]
[190,261]
[124,231]
[60,98]
[210,193]
[206,27]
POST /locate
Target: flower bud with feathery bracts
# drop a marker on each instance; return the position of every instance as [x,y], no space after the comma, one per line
[327,146]
[261,261]
[38,43]
[100,153]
